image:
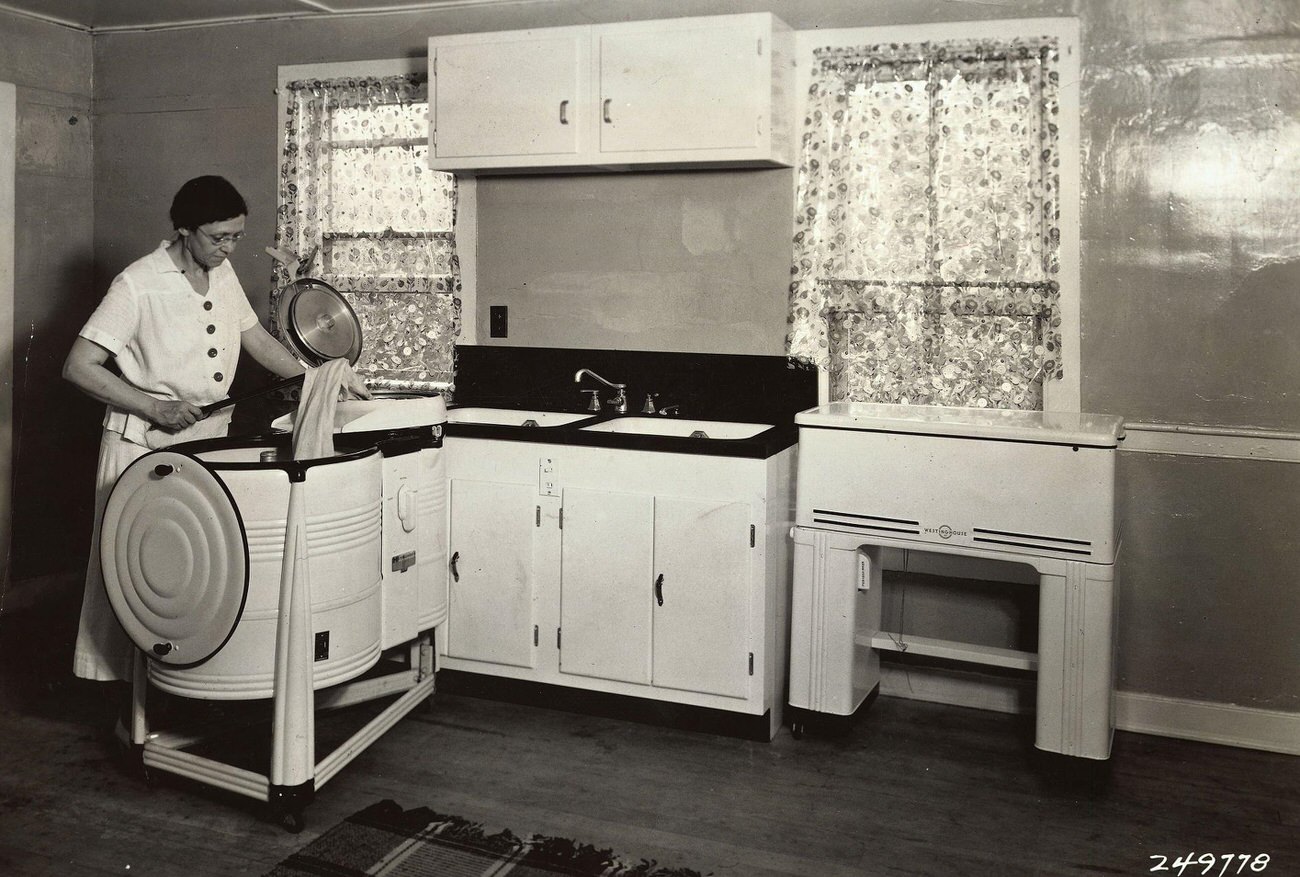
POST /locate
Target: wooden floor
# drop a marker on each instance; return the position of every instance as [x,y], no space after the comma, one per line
[912,788]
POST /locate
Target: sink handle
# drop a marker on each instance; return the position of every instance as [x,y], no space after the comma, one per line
[659,589]
[649,406]
[594,404]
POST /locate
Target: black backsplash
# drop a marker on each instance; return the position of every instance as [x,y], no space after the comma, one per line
[712,386]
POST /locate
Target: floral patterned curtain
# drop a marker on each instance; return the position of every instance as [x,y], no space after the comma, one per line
[363,212]
[926,232]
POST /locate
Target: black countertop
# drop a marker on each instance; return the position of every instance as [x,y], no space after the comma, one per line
[761,446]
[697,386]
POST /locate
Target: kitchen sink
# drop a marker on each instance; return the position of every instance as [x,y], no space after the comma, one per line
[512,417]
[713,429]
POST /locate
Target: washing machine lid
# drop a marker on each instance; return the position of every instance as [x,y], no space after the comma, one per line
[175,558]
[318,322]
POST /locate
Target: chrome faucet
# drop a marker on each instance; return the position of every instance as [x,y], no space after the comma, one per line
[620,397]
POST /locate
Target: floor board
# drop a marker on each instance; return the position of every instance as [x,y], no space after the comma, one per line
[911,788]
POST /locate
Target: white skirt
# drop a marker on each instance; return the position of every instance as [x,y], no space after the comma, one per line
[104,652]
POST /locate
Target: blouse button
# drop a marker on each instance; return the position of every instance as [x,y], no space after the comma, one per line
[211,329]
[207,306]
[217,377]
[212,351]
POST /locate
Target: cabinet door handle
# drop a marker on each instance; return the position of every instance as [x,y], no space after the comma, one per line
[604,111]
[455,573]
[659,589]
[564,112]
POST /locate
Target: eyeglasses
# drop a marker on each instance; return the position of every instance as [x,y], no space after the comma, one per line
[218,240]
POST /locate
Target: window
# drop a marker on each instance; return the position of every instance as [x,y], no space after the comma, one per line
[360,210]
[936,218]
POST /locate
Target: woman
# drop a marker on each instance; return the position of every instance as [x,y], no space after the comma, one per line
[174,323]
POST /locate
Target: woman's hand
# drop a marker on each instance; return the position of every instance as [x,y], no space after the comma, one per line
[172,414]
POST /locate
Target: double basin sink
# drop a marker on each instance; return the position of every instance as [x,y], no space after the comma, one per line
[622,424]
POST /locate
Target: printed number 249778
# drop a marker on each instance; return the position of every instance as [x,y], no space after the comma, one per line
[1207,861]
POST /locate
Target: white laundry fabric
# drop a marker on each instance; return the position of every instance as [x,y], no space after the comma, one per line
[313,423]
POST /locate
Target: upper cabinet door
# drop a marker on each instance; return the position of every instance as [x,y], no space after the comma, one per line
[689,92]
[516,94]
[672,88]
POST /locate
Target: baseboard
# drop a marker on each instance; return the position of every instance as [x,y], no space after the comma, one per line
[1245,727]
[1224,724]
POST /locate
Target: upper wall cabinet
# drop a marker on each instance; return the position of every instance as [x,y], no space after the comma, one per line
[688,92]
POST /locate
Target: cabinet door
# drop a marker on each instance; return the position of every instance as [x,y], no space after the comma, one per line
[701,628]
[515,95]
[692,88]
[493,577]
[606,585]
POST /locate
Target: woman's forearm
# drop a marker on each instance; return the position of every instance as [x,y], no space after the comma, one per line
[269,353]
[86,371]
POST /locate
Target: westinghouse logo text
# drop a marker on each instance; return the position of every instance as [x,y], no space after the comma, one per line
[946,532]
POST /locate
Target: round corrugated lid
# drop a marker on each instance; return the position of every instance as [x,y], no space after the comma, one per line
[318,322]
[175,558]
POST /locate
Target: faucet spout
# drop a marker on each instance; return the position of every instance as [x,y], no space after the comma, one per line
[577,378]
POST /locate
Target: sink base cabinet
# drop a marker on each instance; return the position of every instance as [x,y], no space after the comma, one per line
[653,575]
[493,579]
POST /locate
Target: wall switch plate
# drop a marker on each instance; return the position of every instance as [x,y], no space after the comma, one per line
[498,321]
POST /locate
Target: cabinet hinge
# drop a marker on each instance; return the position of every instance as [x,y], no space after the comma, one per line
[751,663]
[539,516]
[751,535]
[557,637]
[534,635]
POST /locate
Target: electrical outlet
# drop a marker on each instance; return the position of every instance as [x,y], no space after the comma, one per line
[547,483]
[498,321]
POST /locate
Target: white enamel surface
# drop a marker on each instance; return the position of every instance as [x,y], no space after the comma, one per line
[714,429]
[1042,426]
[364,415]
[343,522]
[511,417]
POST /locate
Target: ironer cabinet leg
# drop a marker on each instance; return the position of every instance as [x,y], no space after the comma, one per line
[835,611]
[1075,712]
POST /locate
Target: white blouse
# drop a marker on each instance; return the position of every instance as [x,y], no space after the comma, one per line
[169,341]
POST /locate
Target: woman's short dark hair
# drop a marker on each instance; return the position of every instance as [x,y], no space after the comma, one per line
[206,199]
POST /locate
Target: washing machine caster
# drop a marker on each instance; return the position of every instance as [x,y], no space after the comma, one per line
[288,802]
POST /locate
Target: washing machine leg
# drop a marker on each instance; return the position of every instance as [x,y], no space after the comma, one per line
[139,729]
[293,734]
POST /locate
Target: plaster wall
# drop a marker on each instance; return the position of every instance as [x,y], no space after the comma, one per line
[1190,164]
[53,449]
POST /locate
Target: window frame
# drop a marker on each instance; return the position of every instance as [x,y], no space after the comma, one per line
[1058,395]
[466,190]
